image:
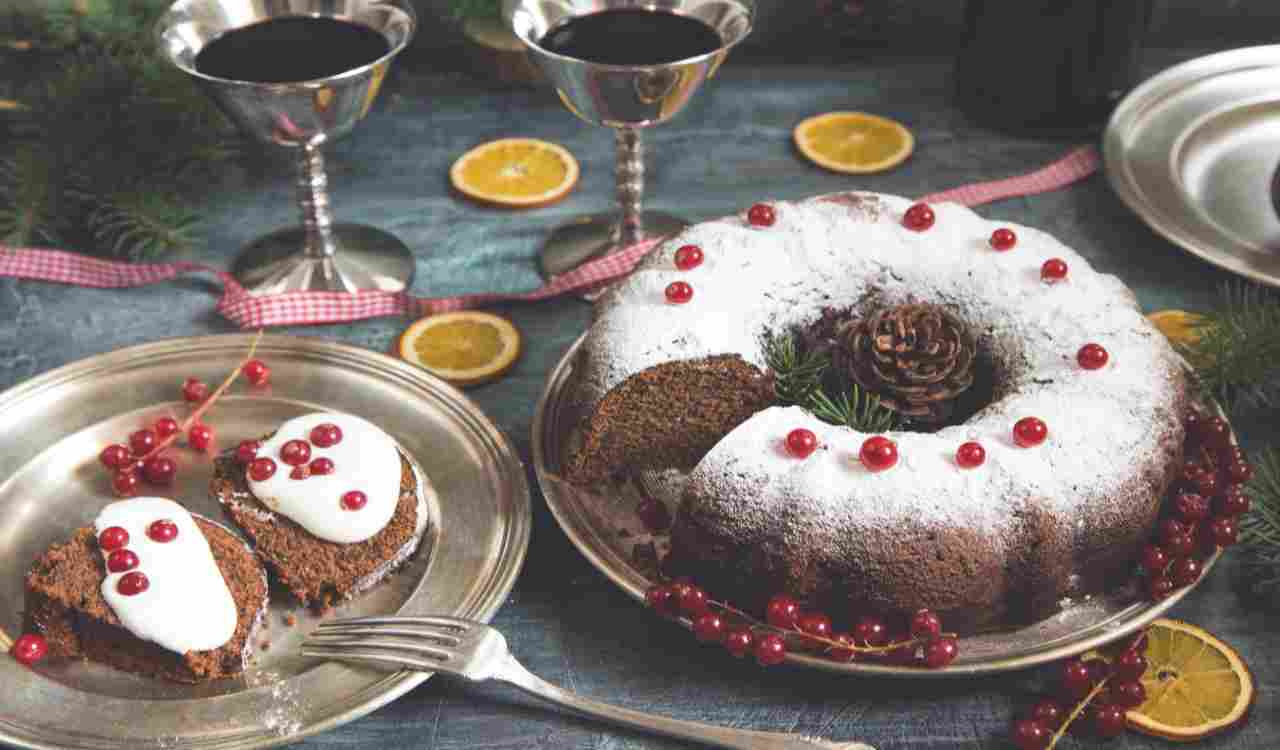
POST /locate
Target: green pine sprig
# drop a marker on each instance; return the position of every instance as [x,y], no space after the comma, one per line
[856,408]
[463,9]
[803,378]
[1260,527]
[797,374]
[1237,354]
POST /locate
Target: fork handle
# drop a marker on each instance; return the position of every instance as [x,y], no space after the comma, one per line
[513,673]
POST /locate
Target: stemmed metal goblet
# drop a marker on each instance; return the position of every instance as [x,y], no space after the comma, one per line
[626,98]
[302,115]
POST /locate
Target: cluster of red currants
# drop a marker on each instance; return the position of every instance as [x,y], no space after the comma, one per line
[1098,690]
[142,457]
[1203,509]
[919,643]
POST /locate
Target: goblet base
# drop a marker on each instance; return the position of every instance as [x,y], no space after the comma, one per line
[366,258]
[590,237]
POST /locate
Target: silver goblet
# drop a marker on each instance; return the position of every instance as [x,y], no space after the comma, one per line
[626,98]
[303,115]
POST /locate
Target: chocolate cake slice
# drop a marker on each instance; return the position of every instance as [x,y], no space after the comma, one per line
[65,604]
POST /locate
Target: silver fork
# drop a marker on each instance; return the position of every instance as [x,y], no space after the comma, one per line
[477,652]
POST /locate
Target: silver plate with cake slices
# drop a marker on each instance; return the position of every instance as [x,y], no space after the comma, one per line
[51,483]
[607,530]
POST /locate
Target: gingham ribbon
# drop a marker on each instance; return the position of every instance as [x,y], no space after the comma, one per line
[301,308]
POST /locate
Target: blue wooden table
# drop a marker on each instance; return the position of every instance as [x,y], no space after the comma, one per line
[564,620]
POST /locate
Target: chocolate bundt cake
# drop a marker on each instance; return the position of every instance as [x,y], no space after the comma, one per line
[991,546]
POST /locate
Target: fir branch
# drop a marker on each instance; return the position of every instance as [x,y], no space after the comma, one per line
[803,378]
[857,409]
[29,191]
[1260,527]
[797,374]
[1237,353]
[141,224]
[463,9]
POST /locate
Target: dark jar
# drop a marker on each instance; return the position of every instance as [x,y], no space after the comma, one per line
[1048,66]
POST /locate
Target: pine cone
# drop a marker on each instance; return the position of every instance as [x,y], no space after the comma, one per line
[917,358]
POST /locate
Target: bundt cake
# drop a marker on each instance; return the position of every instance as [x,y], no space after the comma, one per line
[673,374]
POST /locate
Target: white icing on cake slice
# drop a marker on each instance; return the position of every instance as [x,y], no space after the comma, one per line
[186,605]
[365,460]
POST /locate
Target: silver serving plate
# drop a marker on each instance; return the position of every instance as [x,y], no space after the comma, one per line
[55,425]
[607,530]
[1192,151]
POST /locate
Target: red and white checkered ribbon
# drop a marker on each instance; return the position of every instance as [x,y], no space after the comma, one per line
[301,308]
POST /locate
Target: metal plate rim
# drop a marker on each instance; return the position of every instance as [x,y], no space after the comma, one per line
[543,428]
[515,540]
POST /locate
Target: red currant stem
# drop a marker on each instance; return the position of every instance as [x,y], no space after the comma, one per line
[1075,712]
[206,405]
[5,642]
[830,643]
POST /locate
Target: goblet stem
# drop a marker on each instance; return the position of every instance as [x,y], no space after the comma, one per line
[313,199]
[630,185]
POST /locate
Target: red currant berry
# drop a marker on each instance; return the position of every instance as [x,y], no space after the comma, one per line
[1233,502]
[133,583]
[1130,664]
[904,655]
[878,453]
[326,435]
[295,452]
[1191,471]
[200,437]
[256,372]
[661,599]
[688,257]
[141,442]
[1092,357]
[113,538]
[1223,531]
[1048,712]
[761,215]
[1137,643]
[247,451]
[1029,432]
[165,426]
[194,391]
[163,531]
[160,470]
[925,624]
[1214,432]
[970,455]
[1076,681]
[844,652]
[1099,670]
[1191,507]
[1239,472]
[300,472]
[1128,694]
[815,624]
[770,649]
[125,483]
[1108,720]
[261,469]
[1159,587]
[1154,559]
[782,612]
[29,648]
[321,466]
[354,500]
[653,514]
[693,600]
[739,642]
[1053,270]
[115,456]
[121,560]
[1003,239]
[1170,528]
[1191,422]
[919,217]
[869,631]
[1180,545]
[940,652]
[1029,734]
[709,628]
[1185,571]
[1208,483]
[678,292]
[801,442]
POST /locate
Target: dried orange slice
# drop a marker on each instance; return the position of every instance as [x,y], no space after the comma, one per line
[464,348]
[515,172]
[1179,326]
[1196,684]
[854,142]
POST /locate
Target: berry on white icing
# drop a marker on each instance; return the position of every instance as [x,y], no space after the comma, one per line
[364,459]
[186,605]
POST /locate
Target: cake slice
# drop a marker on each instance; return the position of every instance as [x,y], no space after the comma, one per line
[328,501]
[180,598]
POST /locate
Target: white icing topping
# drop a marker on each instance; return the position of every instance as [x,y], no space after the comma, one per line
[187,606]
[365,460]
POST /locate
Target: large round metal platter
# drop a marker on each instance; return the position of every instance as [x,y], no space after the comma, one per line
[1193,150]
[609,533]
[51,483]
